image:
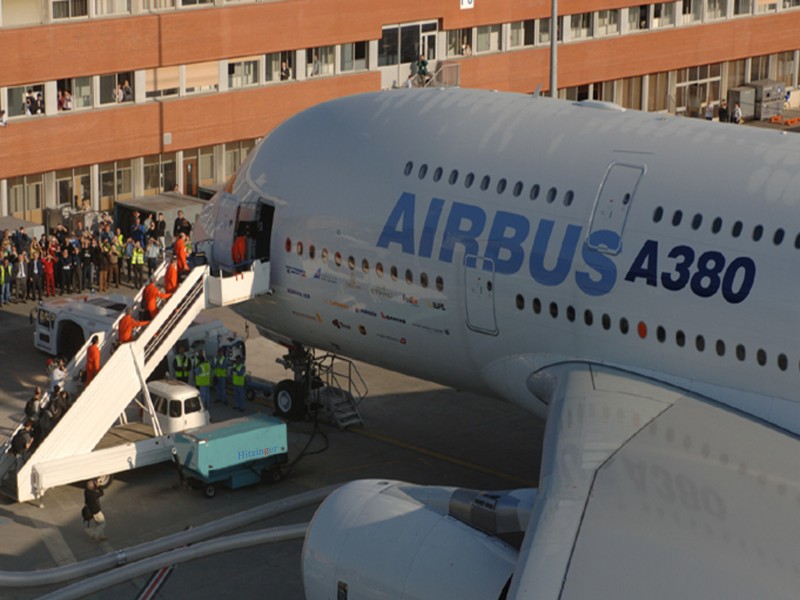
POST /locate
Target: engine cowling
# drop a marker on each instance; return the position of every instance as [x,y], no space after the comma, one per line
[376,539]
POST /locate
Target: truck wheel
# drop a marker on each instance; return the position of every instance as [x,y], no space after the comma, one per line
[210,491]
[250,395]
[104,480]
[273,475]
[288,400]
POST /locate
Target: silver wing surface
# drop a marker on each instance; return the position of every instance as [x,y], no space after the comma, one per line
[650,492]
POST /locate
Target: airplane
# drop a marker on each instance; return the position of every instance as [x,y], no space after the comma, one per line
[631,277]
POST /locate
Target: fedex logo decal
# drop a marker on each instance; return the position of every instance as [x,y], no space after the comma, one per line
[548,249]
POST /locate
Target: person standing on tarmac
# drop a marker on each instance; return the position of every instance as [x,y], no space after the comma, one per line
[92,360]
[238,379]
[202,379]
[91,497]
[181,365]
[220,365]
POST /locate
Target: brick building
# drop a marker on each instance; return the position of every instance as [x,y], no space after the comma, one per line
[140,96]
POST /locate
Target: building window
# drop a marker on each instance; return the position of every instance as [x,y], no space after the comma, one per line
[243,72]
[785,67]
[608,22]
[742,7]
[116,88]
[581,26]
[663,14]
[544,30]
[759,68]
[280,66]
[195,2]
[488,39]
[697,86]
[388,47]
[159,173]
[736,71]
[202,77]
[459,42]
[403,44]
[632,93]
[716,9]
[74,93]
[104,8]
[766,7]
[638,17]
[235,153]
[162,82]
[69,9]
[25,197]
[26,100]
[115,183]
[198,165]
[658,92]
[157,4]
[691,11]
[354,56]
[73,187]
[523,34]
[319,61]
[791,3]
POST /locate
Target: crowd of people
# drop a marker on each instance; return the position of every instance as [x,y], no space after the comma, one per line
[78,260]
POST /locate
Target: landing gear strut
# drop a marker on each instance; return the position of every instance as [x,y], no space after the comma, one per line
[291,395]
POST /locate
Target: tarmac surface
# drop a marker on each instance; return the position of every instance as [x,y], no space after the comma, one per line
[414,431]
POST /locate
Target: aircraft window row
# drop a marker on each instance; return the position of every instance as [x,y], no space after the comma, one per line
[681,340]
[485,183]
[778,236]
[338,259]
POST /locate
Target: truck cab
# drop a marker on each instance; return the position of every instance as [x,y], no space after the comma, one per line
[177,406]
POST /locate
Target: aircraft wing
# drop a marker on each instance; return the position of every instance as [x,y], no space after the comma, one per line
[649,492]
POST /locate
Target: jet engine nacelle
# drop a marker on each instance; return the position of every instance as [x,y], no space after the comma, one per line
[376,539]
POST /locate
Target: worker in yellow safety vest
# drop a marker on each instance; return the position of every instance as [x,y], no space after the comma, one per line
[220,365]
[181,365]
[202,379]
[238,377]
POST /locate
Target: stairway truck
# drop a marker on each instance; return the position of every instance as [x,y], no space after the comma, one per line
[62,325]
[234,453]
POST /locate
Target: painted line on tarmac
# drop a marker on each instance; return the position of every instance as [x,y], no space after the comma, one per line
[444,457]
[55,543]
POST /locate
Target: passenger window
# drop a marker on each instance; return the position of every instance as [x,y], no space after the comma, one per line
[423,280]
[439,283]
[535,192]
[758,231]
[379,269]
[409,277]
[518,189]
[469,180]
[568,198]
[365,265]
[658,214]
[551,195]
[520,302]
[716,226]
[437,174]
[554,310]
[777,239]
[393,272]
[501,186]
[409,168]
[571,313]
[174,408]
[423,170]
[537,306]
[485,182]
[677,217]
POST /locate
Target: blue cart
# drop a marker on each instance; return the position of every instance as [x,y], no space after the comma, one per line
[233,453]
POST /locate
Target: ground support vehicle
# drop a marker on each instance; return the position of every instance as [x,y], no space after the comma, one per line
[234,453]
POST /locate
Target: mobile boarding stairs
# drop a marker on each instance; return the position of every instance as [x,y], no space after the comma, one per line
[67,454]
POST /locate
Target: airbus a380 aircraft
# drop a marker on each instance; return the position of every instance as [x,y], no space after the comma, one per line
[630,276]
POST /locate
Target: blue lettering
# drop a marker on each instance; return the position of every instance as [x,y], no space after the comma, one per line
[601,263]
[646,264]
[473,219]
[748,268]
[399,227]
[429,229]
[519,228]
[541,241]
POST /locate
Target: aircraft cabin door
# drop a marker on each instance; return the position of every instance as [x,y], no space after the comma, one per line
[479,294]
[612,205]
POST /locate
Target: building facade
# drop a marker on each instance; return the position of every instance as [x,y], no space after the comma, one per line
[112,99]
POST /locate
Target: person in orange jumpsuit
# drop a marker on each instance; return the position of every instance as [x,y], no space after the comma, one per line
[92,360]
[180,253]
[151,296]
[171,276]
[127,325]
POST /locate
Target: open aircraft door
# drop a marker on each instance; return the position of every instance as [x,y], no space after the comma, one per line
[479,294]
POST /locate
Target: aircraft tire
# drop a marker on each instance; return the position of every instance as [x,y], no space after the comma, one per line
[288,400]
[104,480]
